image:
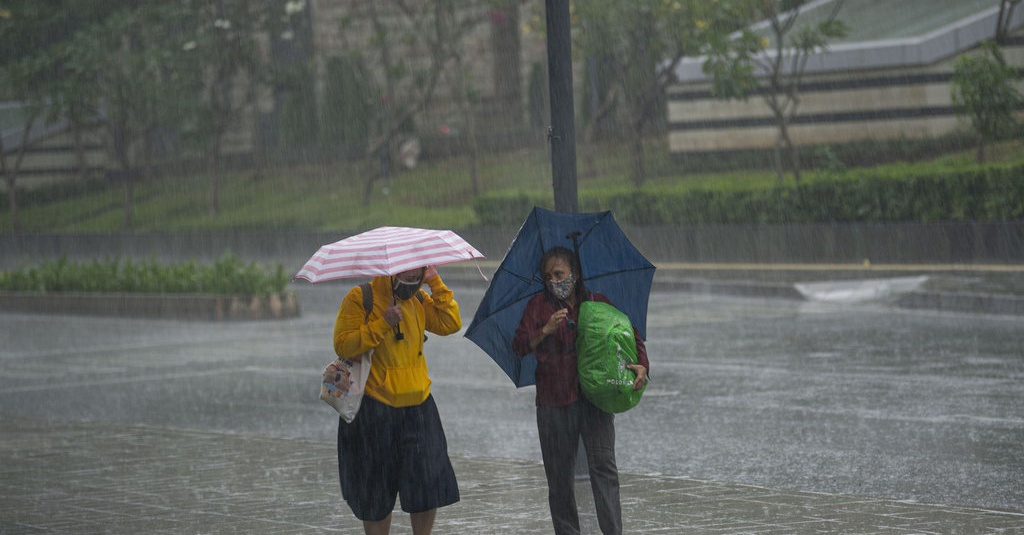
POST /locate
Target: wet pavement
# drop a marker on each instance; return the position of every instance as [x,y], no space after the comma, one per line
[765,415]
[85,478]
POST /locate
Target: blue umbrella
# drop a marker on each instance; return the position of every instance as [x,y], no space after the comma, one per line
[609,262]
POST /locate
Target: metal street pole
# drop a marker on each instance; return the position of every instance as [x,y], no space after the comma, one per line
[562,132]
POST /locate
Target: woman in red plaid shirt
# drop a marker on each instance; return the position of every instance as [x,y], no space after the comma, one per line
[564,416]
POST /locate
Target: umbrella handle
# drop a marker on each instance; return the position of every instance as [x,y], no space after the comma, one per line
[397,328]
[568,321]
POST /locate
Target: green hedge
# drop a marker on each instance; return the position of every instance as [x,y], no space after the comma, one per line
[993,193]
[226,276]
[860,153]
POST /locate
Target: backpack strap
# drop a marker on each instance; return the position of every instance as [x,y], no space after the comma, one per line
[367,300]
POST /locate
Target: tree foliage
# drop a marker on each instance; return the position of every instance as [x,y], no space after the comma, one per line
[984,93]
[348,103]
[147,79]
[225,43]
[38,70]
[637,45]
[413,46]
[773,64]
[162,77]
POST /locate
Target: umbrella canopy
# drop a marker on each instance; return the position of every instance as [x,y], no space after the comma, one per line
[610,264]
[386,251]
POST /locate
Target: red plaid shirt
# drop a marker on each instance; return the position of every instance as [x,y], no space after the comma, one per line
[557,379]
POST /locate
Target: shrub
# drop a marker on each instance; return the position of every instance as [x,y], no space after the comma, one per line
[991,193]
[227,276]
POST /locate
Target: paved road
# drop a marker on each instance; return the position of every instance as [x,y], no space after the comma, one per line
[763,412]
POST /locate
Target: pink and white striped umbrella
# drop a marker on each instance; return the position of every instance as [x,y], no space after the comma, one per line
[386,251]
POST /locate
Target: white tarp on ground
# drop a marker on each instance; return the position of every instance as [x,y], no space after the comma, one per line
[852,291]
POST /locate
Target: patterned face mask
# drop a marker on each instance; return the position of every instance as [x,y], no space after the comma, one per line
[563,289]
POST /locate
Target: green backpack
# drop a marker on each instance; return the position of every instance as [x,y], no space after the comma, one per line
[604,346]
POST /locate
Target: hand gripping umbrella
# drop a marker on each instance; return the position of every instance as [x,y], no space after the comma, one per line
[609,262]
[386,251]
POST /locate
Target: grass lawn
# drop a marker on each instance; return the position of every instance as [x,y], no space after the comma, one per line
[436,194]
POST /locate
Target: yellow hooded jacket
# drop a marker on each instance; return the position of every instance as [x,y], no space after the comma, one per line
[398,376]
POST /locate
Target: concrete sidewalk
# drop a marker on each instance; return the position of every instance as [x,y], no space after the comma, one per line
[91,478]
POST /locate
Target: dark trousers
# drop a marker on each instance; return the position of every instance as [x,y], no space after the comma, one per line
[560,430]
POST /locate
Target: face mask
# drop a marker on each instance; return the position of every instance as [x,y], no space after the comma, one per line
[405,290]
[563,288]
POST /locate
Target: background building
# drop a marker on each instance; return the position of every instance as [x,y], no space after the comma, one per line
[889,78]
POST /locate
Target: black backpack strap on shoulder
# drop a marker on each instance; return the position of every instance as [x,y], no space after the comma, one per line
[367,300]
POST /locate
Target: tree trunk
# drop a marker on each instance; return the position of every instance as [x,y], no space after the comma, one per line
[474,158]
[779,114]
[10,174]
[119,133]
[439,41]
[636,147]
[790,150]
[1006,8]
[213,167]
[10,179]
[222,110]
[780,170]
[381,151]
[462,94]
[79,145]
[259,158]
[128,198]
[375,162]
[507,49]
[590,132]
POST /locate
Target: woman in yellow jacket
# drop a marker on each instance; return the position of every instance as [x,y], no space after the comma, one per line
[396,444]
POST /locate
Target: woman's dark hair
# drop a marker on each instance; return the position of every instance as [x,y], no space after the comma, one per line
[570,258]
